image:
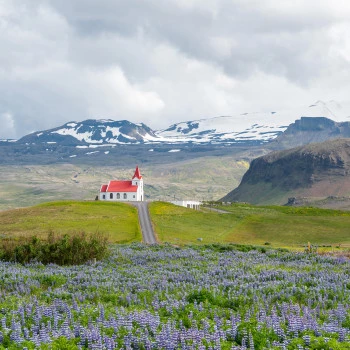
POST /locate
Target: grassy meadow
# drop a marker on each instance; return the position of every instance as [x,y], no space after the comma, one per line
[286,227]
[116,220]
[248,224]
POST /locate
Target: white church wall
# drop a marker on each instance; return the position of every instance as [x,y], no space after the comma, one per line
[123,196]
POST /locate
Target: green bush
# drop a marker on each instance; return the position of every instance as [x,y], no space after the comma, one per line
[61,250]
[200,296]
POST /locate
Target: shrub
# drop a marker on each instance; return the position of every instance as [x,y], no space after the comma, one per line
[200,296]
[61,250]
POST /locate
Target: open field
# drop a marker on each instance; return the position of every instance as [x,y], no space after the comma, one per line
[162,297]
[275,226]
[205,178]
[117,220]
[247,224]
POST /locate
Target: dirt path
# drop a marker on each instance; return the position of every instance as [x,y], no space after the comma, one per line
[145,223]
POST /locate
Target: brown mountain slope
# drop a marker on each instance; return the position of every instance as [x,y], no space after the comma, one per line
[315,171]
[310,130]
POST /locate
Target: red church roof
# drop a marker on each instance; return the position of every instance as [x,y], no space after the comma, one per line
[103,188]
[122,186]
[137,174]
[119,186]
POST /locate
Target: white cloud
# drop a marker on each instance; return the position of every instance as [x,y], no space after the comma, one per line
[163,62]
[340,37]
[7,125]
[113,94]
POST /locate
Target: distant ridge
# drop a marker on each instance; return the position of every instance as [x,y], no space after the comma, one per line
[310,130]
[247,128]
[251,128]
[101,141]
[91,131]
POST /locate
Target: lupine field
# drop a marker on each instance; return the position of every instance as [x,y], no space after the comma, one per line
[163,297]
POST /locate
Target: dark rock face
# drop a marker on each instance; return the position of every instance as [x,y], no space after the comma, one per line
[310,130]
[323,166]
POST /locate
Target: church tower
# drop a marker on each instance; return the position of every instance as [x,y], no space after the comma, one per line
[137,180]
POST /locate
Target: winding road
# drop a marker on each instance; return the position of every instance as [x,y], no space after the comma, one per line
[145,223]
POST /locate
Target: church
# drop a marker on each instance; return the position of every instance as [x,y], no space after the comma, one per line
[123,191]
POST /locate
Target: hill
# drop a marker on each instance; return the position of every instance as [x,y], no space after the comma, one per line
[316,170]
[247,224]
[117,220]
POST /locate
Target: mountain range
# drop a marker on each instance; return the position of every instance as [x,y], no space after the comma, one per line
[244,128]
[124,141]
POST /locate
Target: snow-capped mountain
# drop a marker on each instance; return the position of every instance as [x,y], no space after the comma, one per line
[99,132]
[247,128]
[121,142]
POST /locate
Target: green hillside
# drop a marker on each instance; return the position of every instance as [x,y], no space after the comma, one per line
[119,221]
[243,224]
[247,224]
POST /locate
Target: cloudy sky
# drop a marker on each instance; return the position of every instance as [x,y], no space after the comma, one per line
[164,61]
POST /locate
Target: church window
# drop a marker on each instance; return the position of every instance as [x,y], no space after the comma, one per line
[125,195]
[104,196]
[118,195]
[111,195]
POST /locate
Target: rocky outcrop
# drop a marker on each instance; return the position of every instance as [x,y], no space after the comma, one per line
[315,170]
[310,130]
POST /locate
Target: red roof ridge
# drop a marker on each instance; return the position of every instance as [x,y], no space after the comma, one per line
[121,186]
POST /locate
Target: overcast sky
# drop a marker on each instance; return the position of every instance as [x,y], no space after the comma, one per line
[164,61]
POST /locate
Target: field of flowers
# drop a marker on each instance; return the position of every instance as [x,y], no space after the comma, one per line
[162,297]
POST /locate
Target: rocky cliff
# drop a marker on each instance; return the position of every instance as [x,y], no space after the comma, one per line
[310,130]
[315,170]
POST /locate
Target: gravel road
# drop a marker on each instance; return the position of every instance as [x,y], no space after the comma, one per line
[145,223]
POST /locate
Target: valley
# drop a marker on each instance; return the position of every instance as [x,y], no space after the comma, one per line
[204,178]
[203,159]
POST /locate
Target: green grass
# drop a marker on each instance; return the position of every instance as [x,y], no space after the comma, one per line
[117,220]
[248,224]
[181,225]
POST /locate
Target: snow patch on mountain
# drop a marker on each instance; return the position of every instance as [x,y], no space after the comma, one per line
[106,131]
[238,129]
[259,127]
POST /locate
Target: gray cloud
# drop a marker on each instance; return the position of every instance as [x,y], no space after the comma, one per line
[162,62]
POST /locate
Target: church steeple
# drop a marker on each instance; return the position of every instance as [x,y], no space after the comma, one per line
[137,180]
[137,174]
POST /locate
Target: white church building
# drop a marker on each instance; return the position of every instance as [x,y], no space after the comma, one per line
[122,191]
